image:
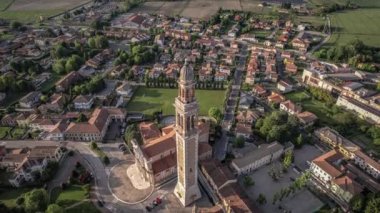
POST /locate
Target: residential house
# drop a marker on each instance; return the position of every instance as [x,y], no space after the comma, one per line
[68,81]
[83,102]
[290,107]
[24,163]
[275,98]
[30,100]
[243,130]
[284,87]
[259,90]
[125,90]
[307,118]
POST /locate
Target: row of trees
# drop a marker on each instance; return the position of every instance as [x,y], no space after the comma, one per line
[355,53]
[95,84]
[10,83]
[367,204]
[298,184]
[322,95]
[26,66]
[62,66]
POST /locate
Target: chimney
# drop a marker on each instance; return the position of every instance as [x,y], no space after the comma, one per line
[345,183]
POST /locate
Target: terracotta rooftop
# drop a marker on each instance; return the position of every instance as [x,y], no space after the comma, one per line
[219,174]
[165,163]
[348,184]
[325,162]
[149,131]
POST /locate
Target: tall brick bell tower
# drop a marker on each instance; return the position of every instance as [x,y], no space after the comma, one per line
[186,106]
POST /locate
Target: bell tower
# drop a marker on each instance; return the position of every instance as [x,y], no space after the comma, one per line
[186,106]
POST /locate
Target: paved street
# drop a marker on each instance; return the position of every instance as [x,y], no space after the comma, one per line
[220,147]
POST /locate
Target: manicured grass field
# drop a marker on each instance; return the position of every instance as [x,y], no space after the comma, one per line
[85,207]
[150,100]
[71,195]
[9,197]
[363,24]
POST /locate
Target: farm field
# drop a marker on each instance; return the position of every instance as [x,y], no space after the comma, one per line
[149,100]
[4,4]
[31,10]
[200,9]
[362,24]
[361,3]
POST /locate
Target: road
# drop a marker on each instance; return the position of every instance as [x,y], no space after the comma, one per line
[221,145]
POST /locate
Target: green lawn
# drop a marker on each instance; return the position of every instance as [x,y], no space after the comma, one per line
[4,131]
[9,196]
[49,84]
[4,4]
[314,106]
[30,16]
[85,207]
[149,100]
[71,195]
[17,133]
[363,24]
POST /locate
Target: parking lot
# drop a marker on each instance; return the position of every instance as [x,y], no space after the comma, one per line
[299,202]
[304,155]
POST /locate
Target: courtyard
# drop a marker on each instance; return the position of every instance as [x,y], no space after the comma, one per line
[301,201]
[150,100]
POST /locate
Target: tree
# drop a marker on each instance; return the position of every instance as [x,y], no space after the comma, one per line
[373,206]
[261,199]
[106,160]
[288,159]
[54,208]
[91,43]
[239,142]
[81,118]
[215,113]
[93,145]
[299,141]
[15,25]
[44,98]
[248,182]
[357,203]
[36,200]
[20,200]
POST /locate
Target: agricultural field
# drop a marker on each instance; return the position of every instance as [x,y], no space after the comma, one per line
[362,24]
[4,4]
[361,3]
[150,100]
[200,9]
[32,10]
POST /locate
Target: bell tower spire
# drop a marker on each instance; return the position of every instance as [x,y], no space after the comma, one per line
[187,189]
